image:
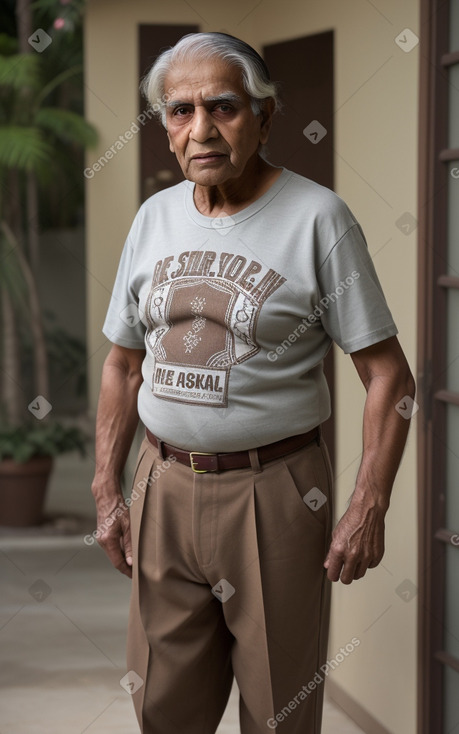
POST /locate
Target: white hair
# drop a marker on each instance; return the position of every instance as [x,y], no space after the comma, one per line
[196,47]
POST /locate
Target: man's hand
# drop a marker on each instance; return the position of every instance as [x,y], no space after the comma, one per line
[114,533]
[357,543]
[116,424]
[358,539]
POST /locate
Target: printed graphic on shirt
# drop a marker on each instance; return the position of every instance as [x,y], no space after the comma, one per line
[202,321]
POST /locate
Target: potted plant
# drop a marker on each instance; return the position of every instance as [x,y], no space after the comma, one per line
[38,141]
[26,460]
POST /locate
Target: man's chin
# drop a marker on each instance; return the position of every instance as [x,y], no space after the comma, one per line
[209,178]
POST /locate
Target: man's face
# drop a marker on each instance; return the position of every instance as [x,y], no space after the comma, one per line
[210,124]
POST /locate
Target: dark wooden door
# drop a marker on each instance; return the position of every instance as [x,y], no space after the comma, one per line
[158,166]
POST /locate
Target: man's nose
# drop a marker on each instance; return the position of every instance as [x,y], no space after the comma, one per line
[202,126]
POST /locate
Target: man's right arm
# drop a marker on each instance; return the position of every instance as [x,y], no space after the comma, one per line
[116,423]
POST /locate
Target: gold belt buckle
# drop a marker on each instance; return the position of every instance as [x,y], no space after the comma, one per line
[193,463]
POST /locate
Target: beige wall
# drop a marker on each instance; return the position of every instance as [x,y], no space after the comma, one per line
[376,88]
[376,169]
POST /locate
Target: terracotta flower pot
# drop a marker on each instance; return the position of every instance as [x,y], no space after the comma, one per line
[23,490]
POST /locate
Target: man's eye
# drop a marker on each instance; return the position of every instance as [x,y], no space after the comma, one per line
[180,111]
[224,108]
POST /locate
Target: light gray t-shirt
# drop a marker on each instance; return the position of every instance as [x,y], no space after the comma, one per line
[236,314]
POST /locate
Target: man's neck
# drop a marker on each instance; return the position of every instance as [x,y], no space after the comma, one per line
[236,194]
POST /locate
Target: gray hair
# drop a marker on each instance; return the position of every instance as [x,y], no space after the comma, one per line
[203,46]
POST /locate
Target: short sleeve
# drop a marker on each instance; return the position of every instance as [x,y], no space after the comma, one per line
[355,312]
[123,323]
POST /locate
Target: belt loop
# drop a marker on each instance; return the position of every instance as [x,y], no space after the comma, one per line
[319,435]
[161,449]
[255,461]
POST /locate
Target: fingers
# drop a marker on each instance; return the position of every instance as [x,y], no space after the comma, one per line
[346,567]
[127,543]
[333,564]
[357,545]
[341,570]
[116,543]
[113,549]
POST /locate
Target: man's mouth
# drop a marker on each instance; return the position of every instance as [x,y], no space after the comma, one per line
[208,157]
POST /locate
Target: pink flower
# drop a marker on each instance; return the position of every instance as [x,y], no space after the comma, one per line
[59,23]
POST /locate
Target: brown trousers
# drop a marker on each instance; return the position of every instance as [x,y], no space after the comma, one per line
[228,578]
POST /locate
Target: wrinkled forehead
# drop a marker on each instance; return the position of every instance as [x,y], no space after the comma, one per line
[197,80]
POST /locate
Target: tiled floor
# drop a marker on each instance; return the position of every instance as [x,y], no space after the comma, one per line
[62,632]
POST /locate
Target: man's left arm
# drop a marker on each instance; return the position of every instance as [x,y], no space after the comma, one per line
[358,539]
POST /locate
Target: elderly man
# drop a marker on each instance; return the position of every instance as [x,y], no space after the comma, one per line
[231,289]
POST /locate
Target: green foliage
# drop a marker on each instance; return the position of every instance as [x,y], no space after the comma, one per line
[67,358]
[50,439]
[29,131]
[66,355]
[43,134]
[23,149]
[43,130]
[19,71]
[67,126]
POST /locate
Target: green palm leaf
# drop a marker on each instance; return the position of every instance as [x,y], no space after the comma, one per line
[23,148]
[66,125]
[20,71]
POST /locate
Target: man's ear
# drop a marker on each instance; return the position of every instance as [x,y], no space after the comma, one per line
[171,147]
[266,119]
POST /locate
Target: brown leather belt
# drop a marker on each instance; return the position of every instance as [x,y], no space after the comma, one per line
[201,461]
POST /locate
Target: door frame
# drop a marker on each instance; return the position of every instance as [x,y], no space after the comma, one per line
[433,284]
